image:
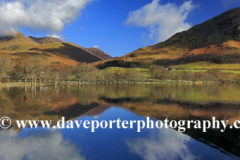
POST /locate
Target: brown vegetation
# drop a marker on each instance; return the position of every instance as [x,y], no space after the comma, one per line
[51,49]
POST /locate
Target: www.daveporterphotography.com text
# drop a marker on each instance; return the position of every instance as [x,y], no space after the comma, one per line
[139,125]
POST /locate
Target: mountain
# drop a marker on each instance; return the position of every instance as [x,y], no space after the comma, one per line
[98,52]
[16,43]
[219,35]
[52,49]
[45,39]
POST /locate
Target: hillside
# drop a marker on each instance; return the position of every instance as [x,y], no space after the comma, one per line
[98,52]
[52,49]
[16,43]
[219,35]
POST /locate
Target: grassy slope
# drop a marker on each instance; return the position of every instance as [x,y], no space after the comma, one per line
[18,44]
[226,74]
[144,72]
[208,65]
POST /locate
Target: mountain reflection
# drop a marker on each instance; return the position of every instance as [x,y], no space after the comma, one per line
[176,102]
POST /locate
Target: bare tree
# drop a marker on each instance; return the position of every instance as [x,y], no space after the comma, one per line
[84,72]
[65,74]
[132,75]
[118,75]
[55,72]
[108,75]
[154,71]
[189,76]
[46,74]
[215,72]
[161,73]
[38,68]
[158,72]
[6,65]
[26,65]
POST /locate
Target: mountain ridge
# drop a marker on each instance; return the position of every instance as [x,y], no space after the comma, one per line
[220,34]
[43,40]
[99,53]
[52,50]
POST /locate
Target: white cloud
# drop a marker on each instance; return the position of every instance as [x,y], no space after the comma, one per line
[49,15]
[36,146]
[164,144]
[96,46]
[163,21]
[55,36]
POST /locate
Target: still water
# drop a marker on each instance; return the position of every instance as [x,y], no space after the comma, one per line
[127,102]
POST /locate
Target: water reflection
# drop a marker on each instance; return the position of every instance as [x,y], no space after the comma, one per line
[167,144]
[162,144]
[134,102]
[36,145]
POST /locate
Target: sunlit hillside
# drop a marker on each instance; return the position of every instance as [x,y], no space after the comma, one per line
[19,46]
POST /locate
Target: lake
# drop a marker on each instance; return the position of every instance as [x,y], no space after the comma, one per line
[128,102]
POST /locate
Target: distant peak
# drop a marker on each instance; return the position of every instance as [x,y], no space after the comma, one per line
[43,40]
[14,36]
[98,52]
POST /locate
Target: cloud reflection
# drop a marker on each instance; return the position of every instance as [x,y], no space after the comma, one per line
[164,144]
[38,145]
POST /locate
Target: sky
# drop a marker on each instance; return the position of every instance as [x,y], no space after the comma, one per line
[116,27]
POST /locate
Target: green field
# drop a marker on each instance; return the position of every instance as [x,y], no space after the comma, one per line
[143,71]
[207,65]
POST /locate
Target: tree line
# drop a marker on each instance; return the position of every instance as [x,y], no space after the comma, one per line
[213,75]
[33,69]
[214,58]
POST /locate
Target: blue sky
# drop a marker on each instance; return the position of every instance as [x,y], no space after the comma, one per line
[116,27]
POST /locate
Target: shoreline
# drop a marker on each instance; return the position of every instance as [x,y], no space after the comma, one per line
[75,83]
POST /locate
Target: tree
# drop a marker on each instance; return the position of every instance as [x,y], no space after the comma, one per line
[132,75]
[118,75]
[26,66]
[161,73]
[6,65]
[16,73]
[154,71]
[108,75]
[99,76]
[46,75]
[65,74]
[36,68]
[215,72]
[158,72]
[84,72]
[189,76]
[55,70]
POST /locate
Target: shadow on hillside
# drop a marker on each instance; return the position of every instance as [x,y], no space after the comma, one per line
[6,38]
[70,51]
[27,54]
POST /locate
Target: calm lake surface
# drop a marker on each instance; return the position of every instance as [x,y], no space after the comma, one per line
[127,102]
